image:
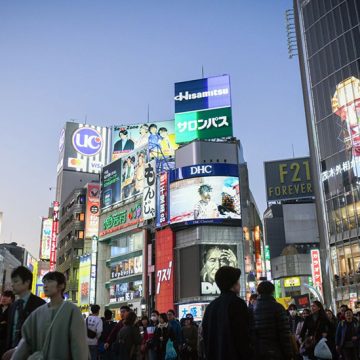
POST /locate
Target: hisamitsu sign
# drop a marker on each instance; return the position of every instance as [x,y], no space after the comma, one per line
[288,179]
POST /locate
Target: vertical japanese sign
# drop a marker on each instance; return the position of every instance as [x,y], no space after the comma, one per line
[149,198]
[45,238]
[92,210]
[258,251]
[93,268]
[84,280]
[54,232]
[163,208]
[316,269]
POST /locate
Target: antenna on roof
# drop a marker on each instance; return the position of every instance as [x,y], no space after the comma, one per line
[202,71]
[148,113]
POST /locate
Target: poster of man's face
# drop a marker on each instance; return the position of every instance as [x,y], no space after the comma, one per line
[213,257]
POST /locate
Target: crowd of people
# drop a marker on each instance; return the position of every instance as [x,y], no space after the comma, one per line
[231,329]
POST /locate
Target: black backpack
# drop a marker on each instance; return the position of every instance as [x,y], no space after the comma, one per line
[90,333]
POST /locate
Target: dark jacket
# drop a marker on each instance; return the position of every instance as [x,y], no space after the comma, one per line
[114,332]
[294,322]
[341,332]
[316,327]
[165,333]
[129,145]
[129,340]
[226,328]
[4,315]
[32,304]
[271,331]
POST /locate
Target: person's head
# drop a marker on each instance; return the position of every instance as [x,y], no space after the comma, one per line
[153,129]
[349,315]
[123,134]
[292,310]
[316,307]
[108,314]
[145,321]
[204,192]
[189,319]
[266,288]
[124,312]
[253,298]
[213,260]
[343,308]
[329,314]
[21,280]
[144,129]
[305,313]
[163,318]
[130,318]
[154,316]
[227,278]
[95,309]
[54,284]
[171,314]
[163,132]
[7,298]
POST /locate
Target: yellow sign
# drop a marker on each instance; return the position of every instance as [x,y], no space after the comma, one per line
[285,301]
[292,281]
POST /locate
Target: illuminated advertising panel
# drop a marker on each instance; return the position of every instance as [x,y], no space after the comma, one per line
[208,193]
[288,179]
[128,267]
[126,291]
[149,199]
[84,280]
[213,257]
[111,184]
[162,217]
[207,93]
[54,233]
[197,310]
[46,239]
[316,269]
[205,124]
[258,251]
[157,137]
[164,269]
[83,148]
[292,282]
[92,210]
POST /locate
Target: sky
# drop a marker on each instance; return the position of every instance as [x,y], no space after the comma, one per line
[107,61]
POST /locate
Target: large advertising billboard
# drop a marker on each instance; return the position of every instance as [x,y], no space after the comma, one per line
[92,210]
[204,194]
[45,238]
[162,216]
[83,148]
[54,233]
[149,198]
[157,137]
[164,270]
[84,280]
[213,257]
[128,267]
[126,291]
[288,179]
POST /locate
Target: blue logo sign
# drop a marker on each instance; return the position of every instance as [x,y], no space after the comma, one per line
[87,141]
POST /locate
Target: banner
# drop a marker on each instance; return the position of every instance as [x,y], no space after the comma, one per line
[45,244]
[163,201]
[316,269]
[84,280]
[126,291]
[92,210]
[149,198]
[128,267]
[54,233]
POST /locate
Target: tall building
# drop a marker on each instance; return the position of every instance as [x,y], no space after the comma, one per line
[328,36]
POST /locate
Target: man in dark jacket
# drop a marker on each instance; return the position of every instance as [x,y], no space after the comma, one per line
[7,298]
[226,320]
[271,331]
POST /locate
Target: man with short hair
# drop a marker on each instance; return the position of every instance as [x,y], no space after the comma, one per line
[124,144]
[7,298]
[21,281]
[94,326]
[226,320]
[175,326]
[55,330]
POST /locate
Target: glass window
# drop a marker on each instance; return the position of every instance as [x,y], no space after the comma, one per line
[353,15]
[82,217]
[344,17]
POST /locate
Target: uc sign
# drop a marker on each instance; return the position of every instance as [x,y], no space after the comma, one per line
[87,141]
[288,179]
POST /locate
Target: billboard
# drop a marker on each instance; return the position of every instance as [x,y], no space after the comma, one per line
[316,269]
[126,291]
[84,280]
[201,94]
[200,197]
[164,269]
[157,137]
[92,210]
[45,238]
[162,216]
[83,148]
[288,179]
[149,199]
[197,310]
[54,233]
[111,184]
[128,267]
[213,257]
[205,124]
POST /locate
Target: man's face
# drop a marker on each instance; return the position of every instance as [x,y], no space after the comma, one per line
[348,316]
[153,130]
[51,288]
[123,136]
[143,130]
[170,316]
[205,196]
[5,300]
[213,263]
[164,134]
[19,286]
[236,288]
[123,313]
[343,309]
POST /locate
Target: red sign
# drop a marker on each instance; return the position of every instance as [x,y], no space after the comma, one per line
[258,251]
[92,211]
[163,200]
[54,232]
[164,271]
[316,269]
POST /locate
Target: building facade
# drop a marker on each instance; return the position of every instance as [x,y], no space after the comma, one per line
[328,36]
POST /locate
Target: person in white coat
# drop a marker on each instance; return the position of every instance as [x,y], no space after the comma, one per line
[94,327]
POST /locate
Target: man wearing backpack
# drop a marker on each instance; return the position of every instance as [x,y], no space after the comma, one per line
[94,326]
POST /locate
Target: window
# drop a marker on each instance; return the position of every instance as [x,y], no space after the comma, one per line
[80,234]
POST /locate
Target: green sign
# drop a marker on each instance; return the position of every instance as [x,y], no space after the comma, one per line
[206,124]
[267,252]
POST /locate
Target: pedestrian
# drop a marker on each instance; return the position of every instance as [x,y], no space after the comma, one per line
[226,320]
[341,314]
[189,331]
[108,326]
[154,322]
[305,313]
[348,337]
[128,339]
[176,328]
[200,345]
[252,301]
[55,330]
[163,333]
[7,298]
[272,336]
[124,311]
[21,280]
[316,327]
[143,326]
[294,318]
[94,327]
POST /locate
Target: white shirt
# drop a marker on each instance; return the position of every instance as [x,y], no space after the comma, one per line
[95,324]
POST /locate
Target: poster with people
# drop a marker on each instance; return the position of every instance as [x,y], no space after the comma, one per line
[157,137]
[213,257]
[203,199]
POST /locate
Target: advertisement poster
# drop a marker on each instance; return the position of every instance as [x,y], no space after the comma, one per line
[149,198]
[111,184]
[54,233]
[84,280]
[157,137]
[316,269]
[126,291]
[163,201]
[205,199]
[128,267]
[46,239]
[197,310]
[213,257]
[92,210]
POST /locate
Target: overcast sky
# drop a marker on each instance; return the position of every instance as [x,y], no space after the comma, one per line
[107,60]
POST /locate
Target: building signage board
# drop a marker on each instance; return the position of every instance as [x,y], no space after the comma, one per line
[316,269]
[54,233]
[128,267]
[197,310]
[46,238]
[288,179]
[163,201]
[292,282]
[92,210]
[84,280]
[257,241]
[126,291]
[149,198]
